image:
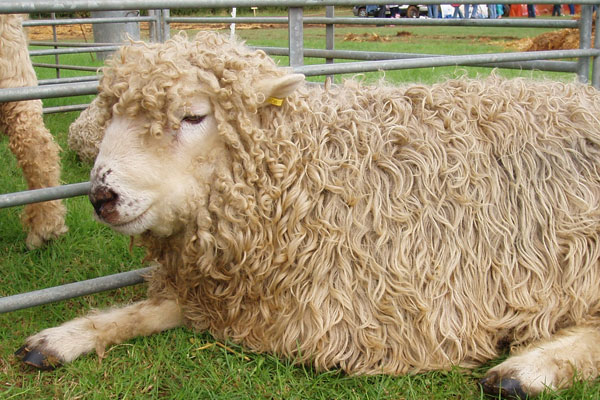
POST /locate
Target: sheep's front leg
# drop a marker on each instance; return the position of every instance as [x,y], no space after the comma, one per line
[51,347]
[554,363]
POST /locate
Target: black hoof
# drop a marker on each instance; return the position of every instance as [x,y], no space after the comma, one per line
[507,388]
[37,359]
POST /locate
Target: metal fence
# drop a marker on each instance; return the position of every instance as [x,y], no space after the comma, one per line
[159,20]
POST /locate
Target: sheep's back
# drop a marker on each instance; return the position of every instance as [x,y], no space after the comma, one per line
[452,209]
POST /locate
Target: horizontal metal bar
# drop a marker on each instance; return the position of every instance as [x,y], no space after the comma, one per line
[75,21]
[71,290]
[64,66]
[76,50]
[29,6]
[73,79]
[228,20]
[513,22]
[541,65]
[344,54]
[44,194]
[555,66]
[48,91]
[59,109]
[433,61]
[69,44]
[504,22]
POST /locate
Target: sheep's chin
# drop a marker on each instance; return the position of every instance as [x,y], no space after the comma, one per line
[145,222]
[135,226]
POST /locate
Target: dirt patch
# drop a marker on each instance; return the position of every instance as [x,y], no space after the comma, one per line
[366,37]
[210,27]
[82,31]
[374,37]
[564,39]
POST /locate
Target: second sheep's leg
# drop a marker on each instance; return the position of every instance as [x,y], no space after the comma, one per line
[38,156]
[29,140]
[553,363]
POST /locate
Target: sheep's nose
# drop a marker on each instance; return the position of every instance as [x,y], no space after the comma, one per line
[104,200]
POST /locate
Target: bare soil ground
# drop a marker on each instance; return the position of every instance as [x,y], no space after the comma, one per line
[563,39]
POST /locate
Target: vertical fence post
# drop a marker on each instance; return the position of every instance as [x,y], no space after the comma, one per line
[596,62]
[585,41]
[329,36]
[55,40]
[152,26]
[296,36]
[232,25]
[114,32]
[164,22]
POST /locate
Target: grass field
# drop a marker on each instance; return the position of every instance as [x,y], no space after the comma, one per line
[182,364]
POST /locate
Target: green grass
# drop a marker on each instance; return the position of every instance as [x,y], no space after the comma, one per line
[183,364]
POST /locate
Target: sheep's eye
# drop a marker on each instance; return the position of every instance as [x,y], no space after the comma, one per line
[193,119]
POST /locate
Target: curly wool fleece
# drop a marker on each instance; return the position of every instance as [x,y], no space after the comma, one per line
[377,229]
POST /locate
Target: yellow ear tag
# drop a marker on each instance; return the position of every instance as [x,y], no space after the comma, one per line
[275,101]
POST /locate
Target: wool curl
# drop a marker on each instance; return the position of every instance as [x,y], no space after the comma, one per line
[86,134]
[376,229]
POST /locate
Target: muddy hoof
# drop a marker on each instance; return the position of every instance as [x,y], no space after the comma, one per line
[37,359]
[507,388]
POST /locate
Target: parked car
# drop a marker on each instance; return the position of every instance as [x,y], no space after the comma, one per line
[406,10]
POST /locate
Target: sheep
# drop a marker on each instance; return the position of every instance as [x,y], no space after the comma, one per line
[28,139]
[85,134]
[371,228]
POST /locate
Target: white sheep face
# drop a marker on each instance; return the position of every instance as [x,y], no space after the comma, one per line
[145,183]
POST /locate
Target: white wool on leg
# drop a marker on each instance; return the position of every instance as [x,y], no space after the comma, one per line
[97,330]
[555,362]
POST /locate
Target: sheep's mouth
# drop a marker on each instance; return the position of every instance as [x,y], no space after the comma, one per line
[134,225]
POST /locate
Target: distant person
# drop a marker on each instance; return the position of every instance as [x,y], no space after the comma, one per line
[394,10]
[474,12]
[432,11]
[556,10]
[457,11]
[572,9]
[381,13]
[501,10]
[531,10]
[492,11]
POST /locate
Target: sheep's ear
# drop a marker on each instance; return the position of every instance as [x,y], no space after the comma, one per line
[281,87]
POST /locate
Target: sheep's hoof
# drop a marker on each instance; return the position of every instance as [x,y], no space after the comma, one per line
[508,388]
[36,239]
[37,359]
